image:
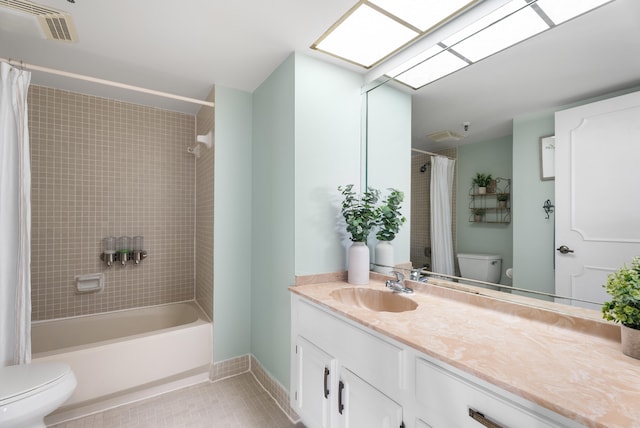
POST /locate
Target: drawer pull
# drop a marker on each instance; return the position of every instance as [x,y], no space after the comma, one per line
[482,420]
[340,403]
[326,381]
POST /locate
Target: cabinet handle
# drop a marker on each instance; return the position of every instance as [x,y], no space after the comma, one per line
[340,403]
[482,420]
[326,381]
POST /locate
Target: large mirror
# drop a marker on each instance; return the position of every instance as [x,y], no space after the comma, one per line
[490,118]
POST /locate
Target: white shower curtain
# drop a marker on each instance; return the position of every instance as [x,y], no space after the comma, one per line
[15,218]
[442,170]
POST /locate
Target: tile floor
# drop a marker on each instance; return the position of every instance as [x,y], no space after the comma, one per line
[239,401]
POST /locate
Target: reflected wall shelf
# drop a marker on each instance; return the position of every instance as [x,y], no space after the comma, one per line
[486,207]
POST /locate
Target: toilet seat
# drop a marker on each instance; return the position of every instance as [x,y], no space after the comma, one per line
[21,381]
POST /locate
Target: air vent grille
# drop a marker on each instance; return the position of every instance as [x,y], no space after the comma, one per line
[445,136]
[56,25]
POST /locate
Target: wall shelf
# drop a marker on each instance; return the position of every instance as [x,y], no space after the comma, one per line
[486,208]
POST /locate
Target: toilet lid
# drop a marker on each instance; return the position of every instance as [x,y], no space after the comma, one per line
[21,379]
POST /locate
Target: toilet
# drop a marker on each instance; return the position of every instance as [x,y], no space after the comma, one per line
[481,267]
[29,392]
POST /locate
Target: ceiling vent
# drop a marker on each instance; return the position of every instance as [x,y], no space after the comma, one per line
[445,136]
[56,25]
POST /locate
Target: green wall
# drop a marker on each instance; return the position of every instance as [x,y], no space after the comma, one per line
[388,149]
[495,158]
[272,243]
[232,224]
[306,142]
[327,154]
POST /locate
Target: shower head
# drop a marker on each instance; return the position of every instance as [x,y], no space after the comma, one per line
[423,168]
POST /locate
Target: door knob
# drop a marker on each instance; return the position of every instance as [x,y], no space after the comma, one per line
[564,249]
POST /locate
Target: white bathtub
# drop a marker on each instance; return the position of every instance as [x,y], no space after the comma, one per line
[119,351]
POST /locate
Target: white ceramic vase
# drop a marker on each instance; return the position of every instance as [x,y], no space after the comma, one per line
[384,258]
[358,272]
[630,341]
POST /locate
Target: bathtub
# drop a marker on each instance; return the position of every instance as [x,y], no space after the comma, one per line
[120,351]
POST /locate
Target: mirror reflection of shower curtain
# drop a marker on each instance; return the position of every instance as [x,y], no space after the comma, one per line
[15,218]
[442,175]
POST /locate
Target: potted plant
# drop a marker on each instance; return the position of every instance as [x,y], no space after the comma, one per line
[360,215]
[624,307]
[482,181]
[478,213]
[502,199]
[389,220]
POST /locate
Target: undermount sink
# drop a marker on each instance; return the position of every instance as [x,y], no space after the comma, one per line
[375,300]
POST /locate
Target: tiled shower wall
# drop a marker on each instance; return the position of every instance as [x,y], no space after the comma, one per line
[421,209]
[204,213]
[108,168]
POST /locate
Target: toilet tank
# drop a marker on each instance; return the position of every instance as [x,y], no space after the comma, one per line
[481,267]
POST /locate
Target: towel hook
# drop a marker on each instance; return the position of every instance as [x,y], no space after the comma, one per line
[548,207]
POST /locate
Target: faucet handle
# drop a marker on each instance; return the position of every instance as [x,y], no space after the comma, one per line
[399,276]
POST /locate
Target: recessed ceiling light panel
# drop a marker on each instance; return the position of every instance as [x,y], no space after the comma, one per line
[561,11]
[423,14]
[431,70]
[365,37]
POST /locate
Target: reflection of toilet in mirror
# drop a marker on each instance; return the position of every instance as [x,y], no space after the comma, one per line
[481,267]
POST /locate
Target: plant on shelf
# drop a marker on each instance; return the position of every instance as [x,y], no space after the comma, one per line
[389,216]
[624,307]
[359,211]
[502,199]
[478,213]
[482,181]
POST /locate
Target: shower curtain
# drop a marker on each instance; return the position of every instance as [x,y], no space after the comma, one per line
[442,170]
[15,218]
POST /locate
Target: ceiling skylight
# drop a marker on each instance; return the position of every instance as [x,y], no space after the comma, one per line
[374,29]
[510,24]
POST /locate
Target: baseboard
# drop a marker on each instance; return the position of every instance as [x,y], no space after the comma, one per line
[143,392]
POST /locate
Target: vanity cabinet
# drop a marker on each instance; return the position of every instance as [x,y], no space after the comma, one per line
[346,375]
[341,374]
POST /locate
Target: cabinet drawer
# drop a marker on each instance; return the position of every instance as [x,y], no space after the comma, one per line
[374,359]
[444,400]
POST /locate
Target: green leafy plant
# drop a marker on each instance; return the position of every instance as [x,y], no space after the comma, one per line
[359,211]
[389,216]
[479,211]
[624,288]
[481,180]
[502,197]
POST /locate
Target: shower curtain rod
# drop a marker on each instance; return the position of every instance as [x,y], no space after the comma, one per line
[430,153]
[33,67]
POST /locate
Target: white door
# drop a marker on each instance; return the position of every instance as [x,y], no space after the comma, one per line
[597,194]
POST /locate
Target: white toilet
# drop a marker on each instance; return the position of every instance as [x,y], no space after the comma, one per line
[29,392]
[481,267]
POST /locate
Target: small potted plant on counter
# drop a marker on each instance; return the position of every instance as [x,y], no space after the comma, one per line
[624,307]
[482,181]
[360,214]
[389,220]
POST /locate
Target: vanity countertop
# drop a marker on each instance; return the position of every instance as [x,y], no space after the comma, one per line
[566,363]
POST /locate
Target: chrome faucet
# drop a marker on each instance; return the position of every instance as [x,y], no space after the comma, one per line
[416,275]
[397,285]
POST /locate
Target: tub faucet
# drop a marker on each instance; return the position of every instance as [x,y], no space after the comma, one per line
[397,285]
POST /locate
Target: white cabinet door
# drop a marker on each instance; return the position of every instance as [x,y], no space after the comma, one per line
[360,405]
[315,389]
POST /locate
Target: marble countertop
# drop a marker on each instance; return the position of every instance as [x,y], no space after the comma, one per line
[567,363]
